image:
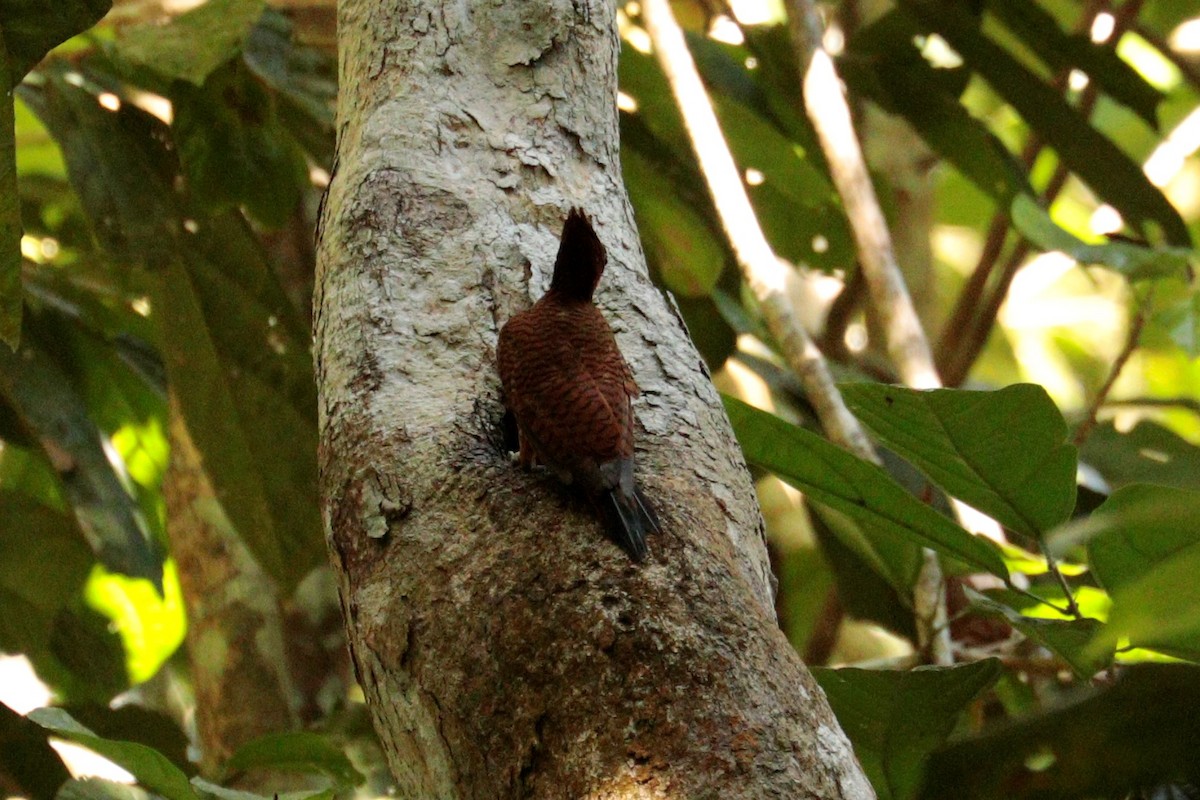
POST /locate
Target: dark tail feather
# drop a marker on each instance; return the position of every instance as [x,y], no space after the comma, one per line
[628,519]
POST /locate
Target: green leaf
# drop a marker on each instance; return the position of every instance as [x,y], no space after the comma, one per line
[10,222]
[251,421]
[108,516]
[30,29]
[100,789]
[1069,638]
[211,791]
[1133,261]
[1038,30]
[1149,453]
[233,147]
[860,490]
[193,45]
[1003,452]
[882,64]
[152,770]
[30,766]
[1104,167]
[44,558]
[135,723]
[117,161]
[1146,552]
[296,752]
[1139,733]
[896,719]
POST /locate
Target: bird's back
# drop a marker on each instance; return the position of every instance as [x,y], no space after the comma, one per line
[568,386]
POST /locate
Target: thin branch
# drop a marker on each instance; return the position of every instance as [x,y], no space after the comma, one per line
[762,270]
[829,113]
[904,338]
[1132,338]
[765,274]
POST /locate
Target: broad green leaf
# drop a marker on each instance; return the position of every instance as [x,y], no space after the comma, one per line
[1061,51]
[245,389]
[1003,452]
[30,766]
[10,219]
[874,574]
[1104,167]
[1149,453]
[108,516]
[883,65]
[194,44]
[896,719]
[1069,638]
[1147,554]
[31,28]
[234,149]
[149,619]
[296,752]
[1133,261]
[856,488]
[211,791]
[135,723]
[1141,732]
[152,769]
[117,162]
[44,557]
[100,789]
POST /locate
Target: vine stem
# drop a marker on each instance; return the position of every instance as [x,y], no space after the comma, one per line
[1132,338]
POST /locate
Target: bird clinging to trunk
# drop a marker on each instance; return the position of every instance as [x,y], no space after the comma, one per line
[571,391]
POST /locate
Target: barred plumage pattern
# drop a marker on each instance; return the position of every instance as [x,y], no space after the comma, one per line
[572,392]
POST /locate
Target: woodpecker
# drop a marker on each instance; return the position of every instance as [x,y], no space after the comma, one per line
[571,391]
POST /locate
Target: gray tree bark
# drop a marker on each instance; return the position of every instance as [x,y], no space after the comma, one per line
[506,648]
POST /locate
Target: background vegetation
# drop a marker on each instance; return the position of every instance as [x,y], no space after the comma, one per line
[159,184]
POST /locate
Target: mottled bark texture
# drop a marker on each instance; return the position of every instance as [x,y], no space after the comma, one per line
[235,640]
[506,648]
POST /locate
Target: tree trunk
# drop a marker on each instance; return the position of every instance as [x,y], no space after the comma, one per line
[235,641]
[506,648]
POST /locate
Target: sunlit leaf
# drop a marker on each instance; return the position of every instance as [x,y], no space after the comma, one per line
[1146,552]
[1069,638]
[884,65]
[1003,452]
[1061,51]
[1134,261]
[1104,167]
[152,770]
[106,513]
[856,488]
[151,624]
[135,723]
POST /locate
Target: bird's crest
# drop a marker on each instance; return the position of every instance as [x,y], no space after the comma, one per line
[581,258]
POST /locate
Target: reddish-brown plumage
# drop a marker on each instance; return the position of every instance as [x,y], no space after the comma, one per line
[571,391]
